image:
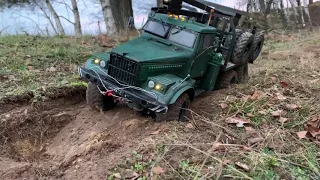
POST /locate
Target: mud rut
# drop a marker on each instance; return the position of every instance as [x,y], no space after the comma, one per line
[63,138]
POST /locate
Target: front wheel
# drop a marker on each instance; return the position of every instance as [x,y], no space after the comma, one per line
[179,111]
[98,101]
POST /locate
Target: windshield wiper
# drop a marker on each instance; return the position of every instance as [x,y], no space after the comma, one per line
[178,30]
[164,29]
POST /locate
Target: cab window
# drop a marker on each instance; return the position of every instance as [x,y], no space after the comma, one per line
[206,41]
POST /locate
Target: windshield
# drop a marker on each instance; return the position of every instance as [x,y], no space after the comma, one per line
[155,27]
[182,37]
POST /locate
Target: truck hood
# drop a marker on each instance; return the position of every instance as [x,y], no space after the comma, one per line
[150,50]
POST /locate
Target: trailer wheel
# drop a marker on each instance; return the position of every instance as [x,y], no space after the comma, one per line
[96,100]
[242,73]
[177,111]
[256,46]
[242,48]
[226,79]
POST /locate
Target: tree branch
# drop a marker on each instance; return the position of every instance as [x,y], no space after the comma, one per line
[3,29]
[67,20]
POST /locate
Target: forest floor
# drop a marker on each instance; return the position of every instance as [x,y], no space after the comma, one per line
[267,128]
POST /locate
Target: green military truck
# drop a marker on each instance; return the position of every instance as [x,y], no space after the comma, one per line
[179,55]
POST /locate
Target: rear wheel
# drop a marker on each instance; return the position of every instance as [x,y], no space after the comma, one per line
[98,101]
[242,73]
[256,46]
[226,79]
[242,48]
[179,111]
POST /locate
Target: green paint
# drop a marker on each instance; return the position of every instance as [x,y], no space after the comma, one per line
[168,63]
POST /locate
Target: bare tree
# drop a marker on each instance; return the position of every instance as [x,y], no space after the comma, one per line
[108,16]
[262,6]
[159,3]
[122,12]
[56,17]
[294,10]
[301,13]
[77,23]
[284,17]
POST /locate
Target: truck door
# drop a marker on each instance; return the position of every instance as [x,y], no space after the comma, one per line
[203,55]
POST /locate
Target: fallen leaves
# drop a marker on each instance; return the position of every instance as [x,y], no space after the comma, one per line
[223,105]
[312,129]
[243,166]
[238,121]
[158,170]
[302,134]
[283,120]
[278,113]
[292,107]
[256,95]
[284,84]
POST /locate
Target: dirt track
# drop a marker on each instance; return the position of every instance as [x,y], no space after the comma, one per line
[65,139]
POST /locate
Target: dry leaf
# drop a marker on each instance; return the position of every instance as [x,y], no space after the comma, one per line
[314,131]
[158,170]
[246,148]
[254,140]
[129,174]
[302,134]
[223,105]
[235,120]
[238,121]
[190,125]
[273,79]
[280,97]
[283,120]
[278,113]
[250,115]
[256,95]
[284,84]
[314,122]
[263,112]
[249,129]
[314,81]
[155,132]
[117,175]
[216,146]
[243,166]
[292,107]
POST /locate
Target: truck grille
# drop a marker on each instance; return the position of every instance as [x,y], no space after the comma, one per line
[123,69]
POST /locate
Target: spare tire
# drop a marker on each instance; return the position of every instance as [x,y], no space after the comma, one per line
[256,46]
[227,42]
[242,48]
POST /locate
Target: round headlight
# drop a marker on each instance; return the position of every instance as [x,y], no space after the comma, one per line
[151,84]
[102,63]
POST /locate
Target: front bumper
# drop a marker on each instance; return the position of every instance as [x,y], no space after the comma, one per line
[130,94]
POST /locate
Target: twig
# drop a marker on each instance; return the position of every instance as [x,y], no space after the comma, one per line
[209,152]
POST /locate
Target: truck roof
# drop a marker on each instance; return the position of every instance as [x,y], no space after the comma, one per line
[188,24]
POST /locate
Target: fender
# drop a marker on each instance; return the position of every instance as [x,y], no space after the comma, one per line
[181,91]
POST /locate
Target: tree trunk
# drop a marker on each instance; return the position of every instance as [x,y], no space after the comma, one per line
[122,12]
[283,14]
[108,16]
[306,10]
[159,3]
[267,12]
[295,14]
[77,23]
[249,6]
[56,18]
[262,6]
[48,18]
[301,13]
[310,2]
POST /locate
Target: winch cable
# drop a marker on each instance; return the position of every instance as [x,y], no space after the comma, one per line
[110,91]
[126,86]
